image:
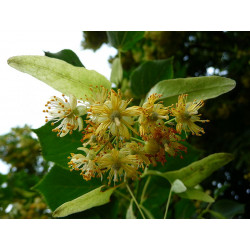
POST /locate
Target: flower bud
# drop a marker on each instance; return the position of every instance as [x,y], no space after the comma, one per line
[151,147]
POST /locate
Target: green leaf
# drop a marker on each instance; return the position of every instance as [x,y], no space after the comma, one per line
[57,149]
[124,40]
[116,73]
[198,171]
[3,178]
[195,194]
[148,74]
[130,213]
[147,212]
[156,197]
[91,199]
[66,55]
[228,208]
[60,75]
[216,214]
[61,185]
[199,88]
[184,209]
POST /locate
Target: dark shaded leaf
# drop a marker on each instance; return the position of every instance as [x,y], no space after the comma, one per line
[124,40]
[184,209]
[148,74]
[66,55]
[61,185]
[55,148]
[228,208]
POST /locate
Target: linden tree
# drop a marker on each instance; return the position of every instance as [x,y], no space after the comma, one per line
[115,156]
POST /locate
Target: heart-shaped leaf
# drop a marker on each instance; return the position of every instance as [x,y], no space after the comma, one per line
[124,40]
[148,74]
[57,149]
[66,55]
[61,185]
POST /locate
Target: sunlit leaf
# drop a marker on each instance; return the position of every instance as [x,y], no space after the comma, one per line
[60,75]
[199,88]
[94,198]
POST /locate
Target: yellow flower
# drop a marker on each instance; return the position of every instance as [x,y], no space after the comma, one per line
[186,114]
[65,111]
[114,115]
[168,138]
[133,148]
[86,164]
[119,165]
[152,115]
[99,96]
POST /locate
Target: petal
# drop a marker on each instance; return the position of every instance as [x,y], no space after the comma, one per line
[72,101]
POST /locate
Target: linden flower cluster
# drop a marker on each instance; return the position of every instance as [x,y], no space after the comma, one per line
[119,140]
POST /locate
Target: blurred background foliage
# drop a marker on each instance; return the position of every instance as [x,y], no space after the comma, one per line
[21,151]
[194,54]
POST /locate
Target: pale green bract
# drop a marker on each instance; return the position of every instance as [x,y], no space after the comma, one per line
[197,171]
[178,186]
[199,88]
[60,75]
[91,199]
[130,213]
[195,194]
[116,73]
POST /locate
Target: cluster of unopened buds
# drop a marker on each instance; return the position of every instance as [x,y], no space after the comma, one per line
[120,141]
